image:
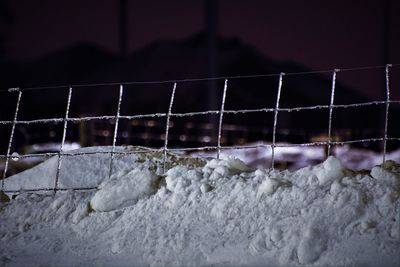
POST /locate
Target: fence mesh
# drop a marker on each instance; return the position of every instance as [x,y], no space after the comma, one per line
[331,107]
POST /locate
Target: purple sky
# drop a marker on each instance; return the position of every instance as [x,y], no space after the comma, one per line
[316,34]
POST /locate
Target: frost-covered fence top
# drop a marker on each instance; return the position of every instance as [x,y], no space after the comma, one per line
[169,114]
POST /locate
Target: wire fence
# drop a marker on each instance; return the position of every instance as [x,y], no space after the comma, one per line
[170,114]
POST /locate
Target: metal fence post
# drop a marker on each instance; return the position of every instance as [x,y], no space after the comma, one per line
[63,140]
[276,110]
[11,136]
[387,102]
[121,91]
[221,115]
[171,102]
[328,153]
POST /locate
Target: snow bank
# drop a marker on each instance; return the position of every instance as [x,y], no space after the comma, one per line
[215,212]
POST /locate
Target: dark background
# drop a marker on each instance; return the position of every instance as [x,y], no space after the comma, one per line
[47,43]
[315,34]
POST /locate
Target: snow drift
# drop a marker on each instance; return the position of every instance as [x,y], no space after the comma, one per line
[203,212]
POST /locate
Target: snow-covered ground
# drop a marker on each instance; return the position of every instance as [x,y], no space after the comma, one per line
[294,158]
[201,212]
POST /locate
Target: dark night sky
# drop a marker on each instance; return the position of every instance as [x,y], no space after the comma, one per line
[316,34]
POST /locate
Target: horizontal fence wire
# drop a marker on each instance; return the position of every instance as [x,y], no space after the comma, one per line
[191,114]
[201,148]
[50,189]
[188,149]
[197,79]
[169,114]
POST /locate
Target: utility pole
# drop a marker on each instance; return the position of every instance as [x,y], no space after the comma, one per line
[386,32]
[122,28]
[211,29]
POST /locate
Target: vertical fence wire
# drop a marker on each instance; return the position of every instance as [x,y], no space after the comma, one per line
[121,91]
[221,115]
[171,102]
[276,110]
[328,153]
[63,139]
[11,138]
[385,134]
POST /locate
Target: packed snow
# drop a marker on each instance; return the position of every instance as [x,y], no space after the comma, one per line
[204,212]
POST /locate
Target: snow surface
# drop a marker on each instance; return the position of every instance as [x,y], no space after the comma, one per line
[295,158]
[201,212]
